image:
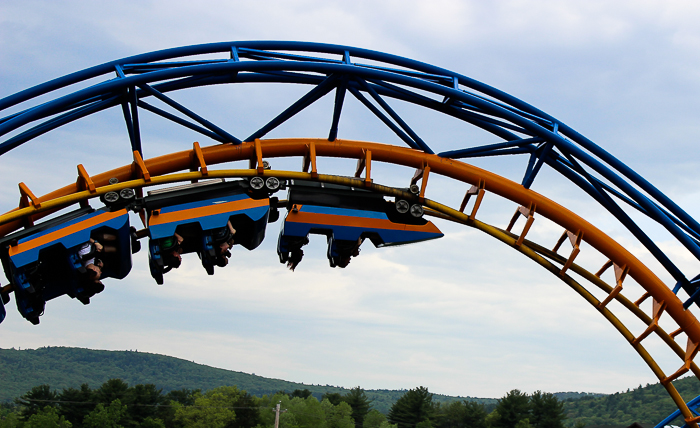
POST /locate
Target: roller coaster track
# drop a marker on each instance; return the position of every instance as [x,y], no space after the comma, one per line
[372,78]
[168,169]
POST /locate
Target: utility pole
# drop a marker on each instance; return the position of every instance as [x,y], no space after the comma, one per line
[277,414]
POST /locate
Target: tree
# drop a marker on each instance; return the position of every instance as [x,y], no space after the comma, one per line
[11,421]
[113,389]
[374,419]
[148,397]
[512,408]
[338,416]
[106,417]
[461,414]
[183,396]
[474,415]
[334,397]
[546,411]
[75,404]
[360,404]
[412,408]
[246,407]
[210,410]
[305,412]
[301,393]
[523,423]
[36,399]
[152,423]
[47,418]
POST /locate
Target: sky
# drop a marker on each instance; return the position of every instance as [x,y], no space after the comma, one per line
[462,315]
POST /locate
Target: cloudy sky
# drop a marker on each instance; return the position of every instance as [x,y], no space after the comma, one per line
[462,315]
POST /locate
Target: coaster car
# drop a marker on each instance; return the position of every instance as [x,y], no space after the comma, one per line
[347,216]
[69,254]
[207,218]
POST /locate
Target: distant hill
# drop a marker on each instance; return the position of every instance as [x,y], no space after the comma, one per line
[62,367]
[70,367]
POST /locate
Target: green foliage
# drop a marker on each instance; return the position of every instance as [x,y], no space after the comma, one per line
[76,403]
[106,417]
[461,414]
[211,410]
[512,408]
[338,416]
[11,421]
[334,397]
[523,423]
[301,393]
[540,410]
[152,423]
[360,404]
[414,407]
[374,419]
[47,417]
[36,399]
[546,411]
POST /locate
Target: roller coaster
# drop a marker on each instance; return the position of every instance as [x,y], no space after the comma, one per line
[58,244]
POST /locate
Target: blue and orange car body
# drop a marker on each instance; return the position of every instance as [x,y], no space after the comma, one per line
[346,216]
[197,214]
[42,262]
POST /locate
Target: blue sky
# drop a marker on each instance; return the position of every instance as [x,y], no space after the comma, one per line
[463,315]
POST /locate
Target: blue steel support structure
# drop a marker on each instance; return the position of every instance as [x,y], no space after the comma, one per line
[375,79]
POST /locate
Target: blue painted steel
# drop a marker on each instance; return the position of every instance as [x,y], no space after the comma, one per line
[491,148]
[523,127]
[337,108]
[181,121]
[322,89]
[191,114]
[384,119]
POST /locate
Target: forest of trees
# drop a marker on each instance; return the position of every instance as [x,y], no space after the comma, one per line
[516,409]
[115,404]
[67,368]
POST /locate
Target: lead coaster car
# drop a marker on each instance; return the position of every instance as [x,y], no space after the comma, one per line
[348,216]
[200,213]
[42,262]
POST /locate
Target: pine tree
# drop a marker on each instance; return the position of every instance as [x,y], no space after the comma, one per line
[412,408]
[360,404]
[512,408]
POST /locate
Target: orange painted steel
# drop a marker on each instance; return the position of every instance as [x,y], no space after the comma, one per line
[163,218]
[376,223]
[490,182]
[63,232]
